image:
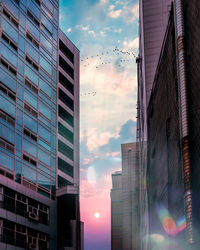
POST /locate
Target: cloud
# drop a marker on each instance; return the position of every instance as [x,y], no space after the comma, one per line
[118,30]
[102,33]
[69,30]
[94,139]
[130,13]
[114,13]
[101,2]
[131,44]
[111,7]
[110,81]
[91,32]
[83,28]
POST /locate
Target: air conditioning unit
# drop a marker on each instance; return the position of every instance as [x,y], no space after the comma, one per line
[32,246]
[33,216]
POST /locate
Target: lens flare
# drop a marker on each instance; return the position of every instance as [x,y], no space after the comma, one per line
[170,226]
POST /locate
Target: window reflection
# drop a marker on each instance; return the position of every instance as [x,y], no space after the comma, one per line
[10,30]
[30,147]
[7,161]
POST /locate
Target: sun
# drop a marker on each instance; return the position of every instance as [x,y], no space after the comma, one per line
[97,215]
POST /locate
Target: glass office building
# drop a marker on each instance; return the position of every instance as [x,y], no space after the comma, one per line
[39,128]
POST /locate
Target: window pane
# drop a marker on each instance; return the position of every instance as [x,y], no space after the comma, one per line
[7,161]
[29,173]
[12,8]
[7,106]
[32,51]
[65,167]
[45,110]
[65,150]
[7,133]
[31,75]
[10,30]
[45,65]
[30,123]
[34,9]
[47,45]
[30,148]
[8,80]
[45,87]
[44,157]
[32,29]
[66,133]
[67,117]
[7,53]
[43,132]
[44,180]
[30,99]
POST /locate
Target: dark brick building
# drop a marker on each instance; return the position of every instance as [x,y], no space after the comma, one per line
[173,171]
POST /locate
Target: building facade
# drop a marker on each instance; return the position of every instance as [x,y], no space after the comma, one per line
[153,18]
[39,128]
[125,217]
[173,140]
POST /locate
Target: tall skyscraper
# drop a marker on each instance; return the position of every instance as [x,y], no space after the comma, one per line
[153,18]
[173,132]
[125,217]
[39,129]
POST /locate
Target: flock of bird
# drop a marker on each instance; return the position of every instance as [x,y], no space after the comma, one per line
[101,57]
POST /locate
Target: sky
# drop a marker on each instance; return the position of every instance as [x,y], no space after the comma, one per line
[106,33]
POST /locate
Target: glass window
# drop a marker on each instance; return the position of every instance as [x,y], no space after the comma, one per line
[44,157]
[32,29]
[65,167]
[12,8]
[44,144]
[46,23]
[67,117]
[45,87]
[66,99]
[21,43]
[7,133]
[29,147]
[66,133]
[18,142]
[31,75]
[44,180]
[29,173]
[7,106]
[18,169]
[46,44]
[11,57]
[45,110]
[30,98]
[22,20]
[21,67]
[19,116]
[30,123]
[10,30]
[32,51]
[44,121]
[55,33]
[43,168]
[47,66]
[34,9]
[48,5]
[8,80]
[7,161]
[44,133]
[65,150]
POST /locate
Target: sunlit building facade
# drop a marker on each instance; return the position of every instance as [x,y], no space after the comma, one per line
[39,162]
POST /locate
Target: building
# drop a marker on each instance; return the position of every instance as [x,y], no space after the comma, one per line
[39,129]
[125,202]
[173,132]
[116,211]
[153,19]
